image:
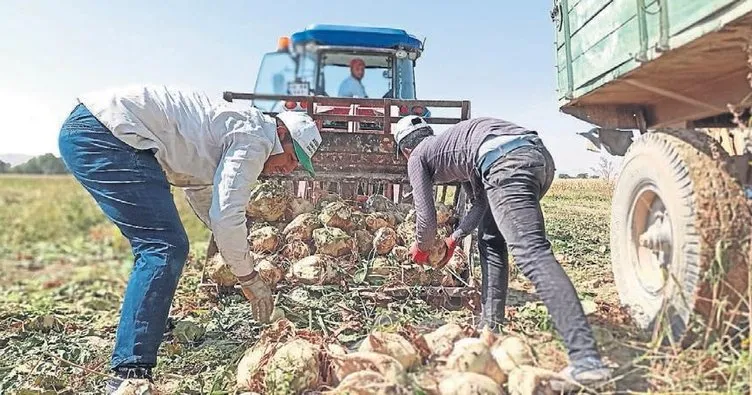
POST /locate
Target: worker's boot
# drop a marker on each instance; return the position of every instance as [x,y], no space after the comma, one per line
[492,315]
[588,373]
[130,380]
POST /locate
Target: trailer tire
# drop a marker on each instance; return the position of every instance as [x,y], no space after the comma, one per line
[676,210]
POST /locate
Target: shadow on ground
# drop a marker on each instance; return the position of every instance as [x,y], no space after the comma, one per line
[623,345]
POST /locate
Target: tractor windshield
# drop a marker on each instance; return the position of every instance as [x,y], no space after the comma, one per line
[334,74]
[372,75]
[344,74]
[375,75]
[276,73]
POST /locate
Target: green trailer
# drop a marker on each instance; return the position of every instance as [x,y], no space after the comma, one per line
[665,84]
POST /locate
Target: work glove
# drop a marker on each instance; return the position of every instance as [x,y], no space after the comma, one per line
[451,245]
[417,255]
[259,295]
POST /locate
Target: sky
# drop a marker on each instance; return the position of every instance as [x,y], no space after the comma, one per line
[497,54]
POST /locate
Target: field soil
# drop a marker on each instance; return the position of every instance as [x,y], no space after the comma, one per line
[65,267]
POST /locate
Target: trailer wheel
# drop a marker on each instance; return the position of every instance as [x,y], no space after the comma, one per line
[679,233]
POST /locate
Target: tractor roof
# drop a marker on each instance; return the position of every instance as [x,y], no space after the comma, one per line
[356,36]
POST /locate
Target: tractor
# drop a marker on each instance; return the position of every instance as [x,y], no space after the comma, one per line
[315,61]
[665,83]
[357,156]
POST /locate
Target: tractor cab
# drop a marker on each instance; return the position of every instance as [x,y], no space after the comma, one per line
[341,61]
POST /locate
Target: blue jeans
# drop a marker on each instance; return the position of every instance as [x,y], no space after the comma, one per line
[131,189]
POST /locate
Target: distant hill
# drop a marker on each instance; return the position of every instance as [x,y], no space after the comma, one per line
[15,159]
[42,164]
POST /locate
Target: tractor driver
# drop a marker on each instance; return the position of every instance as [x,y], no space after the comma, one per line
[352,86]
[507,170]
[128,146]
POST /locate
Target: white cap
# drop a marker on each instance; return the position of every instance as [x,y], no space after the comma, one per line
[407,125]
[305,136]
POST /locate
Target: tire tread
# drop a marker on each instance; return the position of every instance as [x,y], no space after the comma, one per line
[713,208]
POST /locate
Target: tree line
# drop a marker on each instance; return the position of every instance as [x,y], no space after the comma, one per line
[43,164]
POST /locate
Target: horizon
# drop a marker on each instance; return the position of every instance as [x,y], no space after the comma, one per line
[503,61]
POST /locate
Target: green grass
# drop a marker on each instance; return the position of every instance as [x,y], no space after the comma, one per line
[63,262]
[43,215]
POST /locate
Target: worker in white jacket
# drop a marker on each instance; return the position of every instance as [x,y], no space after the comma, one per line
[127,146]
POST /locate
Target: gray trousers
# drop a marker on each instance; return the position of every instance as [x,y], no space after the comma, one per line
[514,185]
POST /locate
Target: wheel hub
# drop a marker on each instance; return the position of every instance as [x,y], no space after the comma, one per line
[652,239]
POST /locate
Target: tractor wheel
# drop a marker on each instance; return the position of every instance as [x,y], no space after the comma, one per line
[680,231]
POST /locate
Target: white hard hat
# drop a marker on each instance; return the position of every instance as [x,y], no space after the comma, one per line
[407,125]
[305,136]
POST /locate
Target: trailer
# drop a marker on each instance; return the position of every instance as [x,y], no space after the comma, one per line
[357,156]
[665,84]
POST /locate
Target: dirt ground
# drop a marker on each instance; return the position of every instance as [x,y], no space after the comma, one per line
[65,268]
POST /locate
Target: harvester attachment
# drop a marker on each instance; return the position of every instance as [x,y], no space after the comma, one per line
[358,159]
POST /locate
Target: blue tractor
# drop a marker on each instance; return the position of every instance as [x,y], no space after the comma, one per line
[355,82]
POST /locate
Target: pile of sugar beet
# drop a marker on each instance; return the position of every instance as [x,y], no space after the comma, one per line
[335,242]
[331,242]
[450,360]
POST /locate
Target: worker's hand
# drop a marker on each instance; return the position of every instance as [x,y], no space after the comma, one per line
[417,255]
[259,295]
[451,245]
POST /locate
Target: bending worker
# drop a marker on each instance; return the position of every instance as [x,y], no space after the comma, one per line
[128,146]
[506,170]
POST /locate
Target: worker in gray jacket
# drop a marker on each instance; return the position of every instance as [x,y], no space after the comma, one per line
[506,170]
[127,146]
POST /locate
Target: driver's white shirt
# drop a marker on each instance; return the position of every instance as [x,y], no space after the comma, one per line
[213,149]
[351,87]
